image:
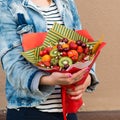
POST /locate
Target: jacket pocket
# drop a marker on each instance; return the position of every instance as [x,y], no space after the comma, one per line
[24,28]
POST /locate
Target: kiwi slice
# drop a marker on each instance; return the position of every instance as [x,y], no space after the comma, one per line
[65,61]
[54,52]
[54,61]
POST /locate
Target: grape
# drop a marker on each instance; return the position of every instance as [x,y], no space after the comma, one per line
[62,69]
[66,49]
[79,42]
[59,46]
[66,66]
[83,45]
[65,40]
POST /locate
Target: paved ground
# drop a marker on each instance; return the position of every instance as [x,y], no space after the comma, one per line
[103,115]
[2,114]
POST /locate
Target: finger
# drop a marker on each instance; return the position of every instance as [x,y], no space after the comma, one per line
[74,93]
[76,97]
[62,75]
[82,71]
[66,75]
[80,74]
[80,87]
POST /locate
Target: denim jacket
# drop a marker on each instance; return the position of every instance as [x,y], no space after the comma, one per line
[16,18]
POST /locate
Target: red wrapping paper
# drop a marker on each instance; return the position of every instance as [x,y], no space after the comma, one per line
[33,40]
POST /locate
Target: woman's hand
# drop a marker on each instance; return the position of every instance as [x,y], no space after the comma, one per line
[79,89]
[57,78]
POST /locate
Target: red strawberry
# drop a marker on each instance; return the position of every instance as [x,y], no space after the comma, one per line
[44,52]
[41,53]
[47,63]
[48,49]
[73,45]
[79,49]
[56,67]
[86,51]
[40,64]
[64,53]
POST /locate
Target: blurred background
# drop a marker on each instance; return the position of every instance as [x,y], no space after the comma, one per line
[99,18]
[103,18]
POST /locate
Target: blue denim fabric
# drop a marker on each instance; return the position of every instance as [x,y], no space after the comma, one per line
[16,18]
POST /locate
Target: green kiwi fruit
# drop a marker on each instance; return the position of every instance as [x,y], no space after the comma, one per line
[65,60]
[54,61]
[54,52]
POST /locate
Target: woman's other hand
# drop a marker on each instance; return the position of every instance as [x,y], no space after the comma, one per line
[79,89]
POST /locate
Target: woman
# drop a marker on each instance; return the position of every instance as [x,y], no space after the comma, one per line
[32,93]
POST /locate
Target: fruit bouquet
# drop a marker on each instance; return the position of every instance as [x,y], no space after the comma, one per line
[63,50]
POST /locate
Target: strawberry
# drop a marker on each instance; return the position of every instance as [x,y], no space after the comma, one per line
[73,45]
[48,49]
[64,53]
[47,63]
[40,63]
[56,67]
[41,53]
[79,49]
[86,50]
[44,52]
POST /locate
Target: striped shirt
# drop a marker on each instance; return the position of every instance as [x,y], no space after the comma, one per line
[51,15]
[53,103]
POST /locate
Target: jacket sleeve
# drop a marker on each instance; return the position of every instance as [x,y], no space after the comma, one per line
[76,17]
[19,72]
[94,80]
